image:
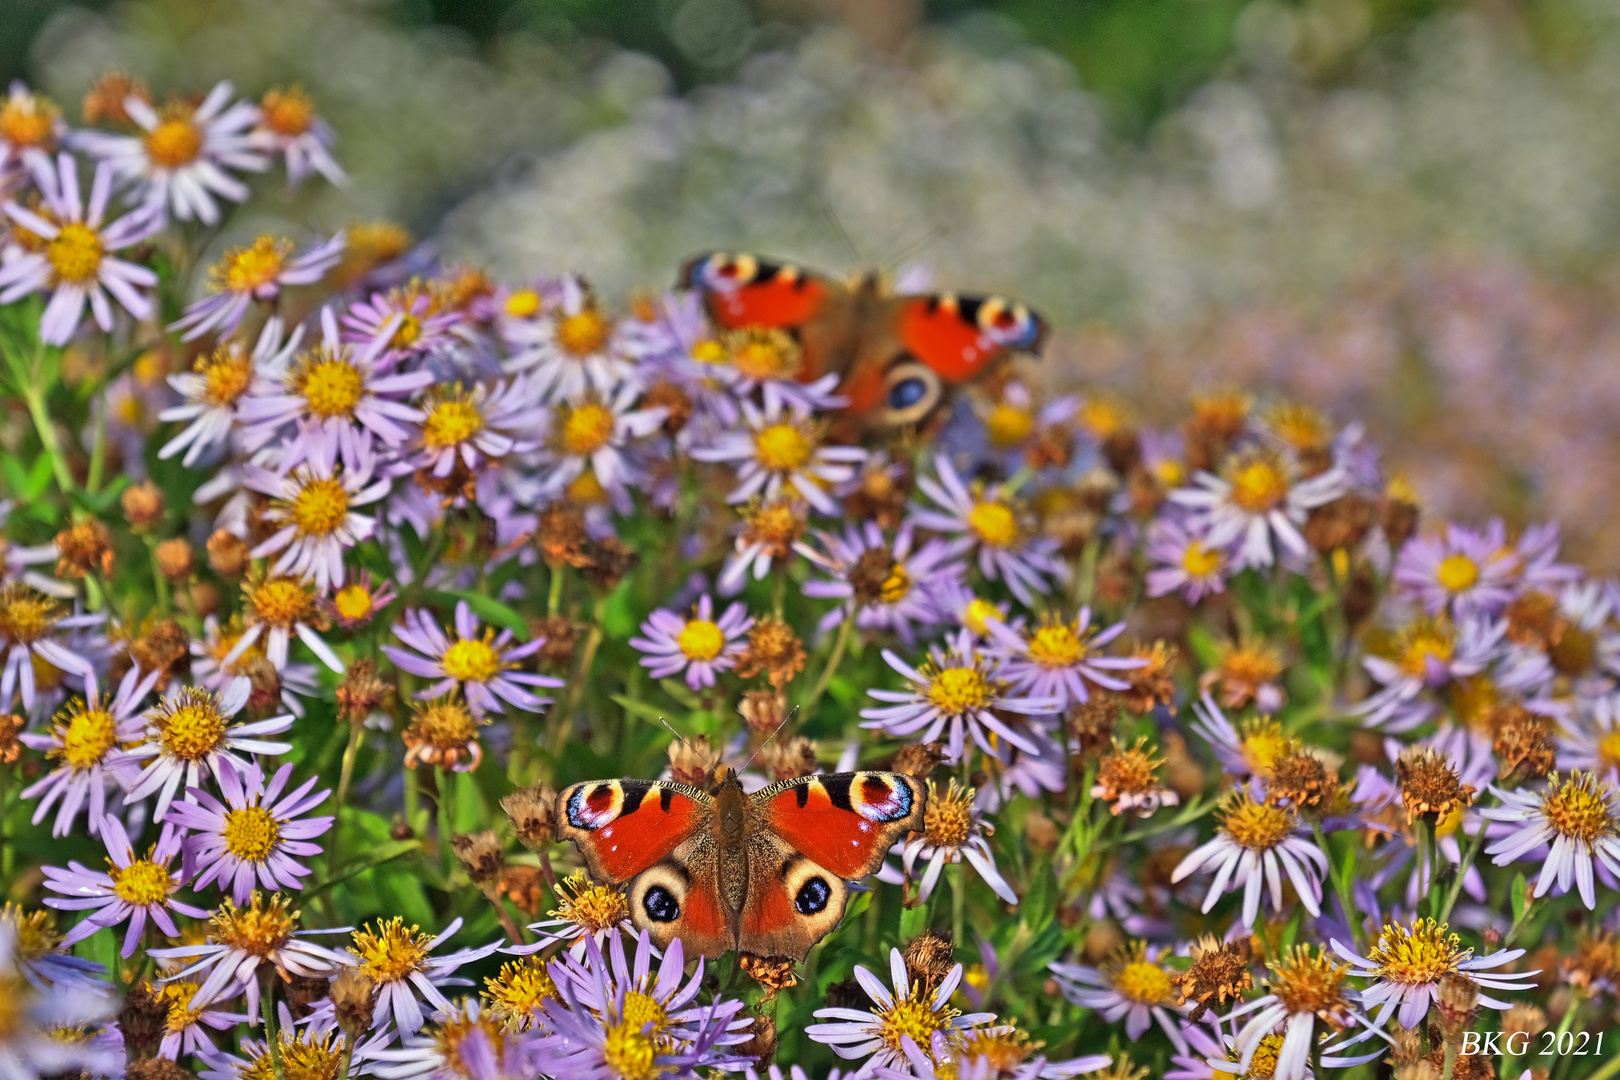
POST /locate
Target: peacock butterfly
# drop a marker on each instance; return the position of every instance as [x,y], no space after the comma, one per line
[764,873]
[898,356]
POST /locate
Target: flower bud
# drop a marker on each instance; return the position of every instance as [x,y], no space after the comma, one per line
[354,998]
[82,548]
[227,553]
[480,855]
[533,814]
[143,505]
[1456,1002]
[173,558]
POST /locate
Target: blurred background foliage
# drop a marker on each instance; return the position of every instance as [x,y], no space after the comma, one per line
[1406,211]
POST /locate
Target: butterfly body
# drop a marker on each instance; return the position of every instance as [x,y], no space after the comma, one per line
[764,873]
[898,356]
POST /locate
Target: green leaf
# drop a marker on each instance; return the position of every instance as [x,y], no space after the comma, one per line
[681,693]
[378,855]
[619,619]
[1521,898]
[913,921]
[639,708]
[486,608]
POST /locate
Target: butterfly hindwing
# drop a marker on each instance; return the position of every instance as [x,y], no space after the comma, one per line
[845,822]
[680,897]
[743,290]
[623,827]
[793,902]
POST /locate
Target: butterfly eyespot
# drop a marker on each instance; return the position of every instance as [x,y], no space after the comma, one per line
[910,392]
[813,896]
[660,905]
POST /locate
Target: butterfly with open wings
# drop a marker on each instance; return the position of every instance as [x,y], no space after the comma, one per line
[765,874]
[899,356]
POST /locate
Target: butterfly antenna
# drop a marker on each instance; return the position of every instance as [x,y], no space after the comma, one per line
[678,736]
[915,246]
[791,714]
[838,226]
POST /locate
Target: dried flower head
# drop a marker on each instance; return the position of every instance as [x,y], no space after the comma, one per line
[1535,620]
[561,635]
[1594,965]
[1429,784]
[1154,683]
[444,732]
[775,974]
[227,553]
[789,759]
[919,760]
[361,693]
[1129,780]
[525,886]
[561,535]
[104,101]
[610,560]
[763,710]
[354,1000]
[1456,1003]
[1219,970]
[533,814]
[143,1018]
[174,558]
[692,761]
[11,725]
[774,650]
[143,505]
[1247,671]
[1523,744]
[481,854]
[1091,724]
[83,548]
[1304,779]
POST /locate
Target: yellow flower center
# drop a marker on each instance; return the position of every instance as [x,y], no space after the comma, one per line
[1419,955]
[1575,652]
[519,990]
[88,735]
[25,617]
[1257,826]
[282,601]
[191,727]
[1578,808]
[321,507]
[251,833]
[330,386]
[287,112]
[1200,561]
[1056,645]
[1457,573]
[75,254]
[407,333]
[586,490]
[912,1015]
[782,448]
[392,952]
[700,639]
[585,334]
[978,610]
[587,428]
[954,691]
[227,373]
[14,1016]
[948,819]
[1263,1065]
[523,304]
[896,586]
[764,353]
[451,422]
[994,524]
[1008,425]
[1143,981]
[26,120]
[590,907]
[173,143]
[642,1009]
[353,602]
[304,1056]
[141,882]
[260,929]
[246,269]
[1423,639]
[181,1015]
[708,351]
[1608,750]
[472,660]
[629,1053]
[1259,484]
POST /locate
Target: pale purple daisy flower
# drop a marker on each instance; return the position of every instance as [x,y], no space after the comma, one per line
[75,261]
[1253,842]
[256,831]
[1132,985]
[411,323]
[30,1046]
[17,561]
[1591,741]
[981,1055]
[358,599]
[595,433]
[278,608]
[700,646]
[313,507]
[1258,496]
[85,738]
[185,1031]
[855,1034]
[957,692]
[482,665]
[883,585]
[466,1043]
[217,381]
[190,732]
[1429,653]
[255,273]
[1059,659]
[32,628]
[1182,560]
[680,346]
[1323,1016]
[179,159]
[1564,827]
[571,348]
[1536,565]
[470,428]
[1463,572]
[132,889]
[781,449]
[377,955]
[287,125]
[987,522]
[335,390]
[954,845]
[1405,966]
[765,536]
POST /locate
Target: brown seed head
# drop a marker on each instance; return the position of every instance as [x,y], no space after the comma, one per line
[11,725]
[562,638]
[675,402]
[1595,962]
[1528,1019]
[929,957]
[533,814]
[561,535]
[788,759]
[1535,621]
[82,548]
[104,101]
[163,646]
[525,886]
[919,760]
[174,559]
[775,974]
[354,998]
[443,732]
[227,553]
[763,710]
[1307,983]
[1220,970]
[361,692]
[1456,1003]
[143,1019]
[773,649]
[610,560]
[1429,785]
[1125,774]
[1398,513]
[1341,524]
[481,855]
[303,991]
[1522,743]
[143,505]
[882,494]
[1155,682]
[1091,724]
[1304,779]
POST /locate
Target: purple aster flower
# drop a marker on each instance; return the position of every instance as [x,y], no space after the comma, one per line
[481,665]
[782,449]
[1258,496]
[594,433]
[470,427]
[411,322]
[1406,964]
[1132,985]
[1253,841]
[766,535]
[466,1043]
[1458,571]
[986,1054]
[179,159]
[255,831]
[1536,565]
[31,625]
[279,607]
[190,731]
[74,260]
[334,390]
[1427,654]
[882,585]
[287,125]
[1573,821]
[959,688]
[959,833]
[131,889]
[875,1035]
[985,520]
[1183,560]
[85,738]
[1312,1010]
[1059,659]
[400,961]
[571,347]
[184,1029]
[358,599]
[217,381]
[257,272]
[31,1045]
[678,345]
[313,507]
[699,646]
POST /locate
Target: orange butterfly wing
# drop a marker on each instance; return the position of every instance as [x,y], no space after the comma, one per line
[846,822]
[622,827]
[742,290]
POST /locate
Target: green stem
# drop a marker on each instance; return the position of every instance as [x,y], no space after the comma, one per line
[1451,1061]
[560,726]
[356,731]
[1341,887]
[267,1009]
[1463,867]
[160,584]
[1421,828]
[554,597]
[347,1058]
[778,589]
[834,658]
[958,903]
[47,438]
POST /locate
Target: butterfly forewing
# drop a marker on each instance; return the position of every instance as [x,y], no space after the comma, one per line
[622,827]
